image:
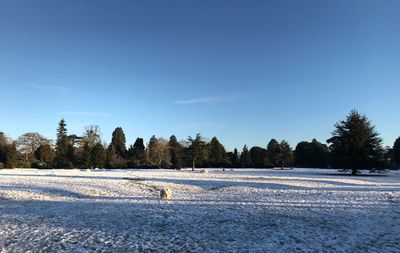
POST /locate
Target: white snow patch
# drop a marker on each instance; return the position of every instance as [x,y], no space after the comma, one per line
[247,210]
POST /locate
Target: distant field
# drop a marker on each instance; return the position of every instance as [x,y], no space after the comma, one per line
[302,210]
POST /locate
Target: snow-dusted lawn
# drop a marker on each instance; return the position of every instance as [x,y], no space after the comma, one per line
[232,211]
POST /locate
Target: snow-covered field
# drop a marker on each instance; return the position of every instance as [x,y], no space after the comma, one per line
[302,210]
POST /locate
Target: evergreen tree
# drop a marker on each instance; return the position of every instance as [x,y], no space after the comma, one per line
[217,153]
[311,154]
[119,142]
[245,158]
[235,158]
[355,145]
[197,149]
[396,151]
[98,156]
[137,153]
[175,151]
[87,156]
[8,152]
[152,156]
[92,149]
[273,152]
[259,158]
[64,149]
[45,154]
[286,154]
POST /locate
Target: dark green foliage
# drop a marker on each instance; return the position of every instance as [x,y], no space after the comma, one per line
[136,154]
[87,157]
[355,145]
[196,150]
[259,158]
[152,156]
[245,158]
[98,156]
[396,151]
[92,154]
[285,155]
[8,153]
[311,154]
[273,152]
[235,159]
[64,148]
[45,154]
[176,153]
[217,153]
[388,156]
[229,159]
[119,142]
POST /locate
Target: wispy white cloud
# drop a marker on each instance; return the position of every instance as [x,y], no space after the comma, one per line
[199,125]
[89,114]
[45,87]
[206,100]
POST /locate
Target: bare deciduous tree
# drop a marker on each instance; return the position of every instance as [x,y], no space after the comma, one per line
[29,142]
[158,152]
[92,135]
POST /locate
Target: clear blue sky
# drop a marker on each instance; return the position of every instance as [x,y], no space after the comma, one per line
[244,71]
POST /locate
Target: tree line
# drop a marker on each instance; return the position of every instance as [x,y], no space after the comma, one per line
[354,145]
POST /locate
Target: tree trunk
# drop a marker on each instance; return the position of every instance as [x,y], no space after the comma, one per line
[354,172]
[193,165]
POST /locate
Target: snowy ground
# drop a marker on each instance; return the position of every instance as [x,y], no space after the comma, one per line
[232,211]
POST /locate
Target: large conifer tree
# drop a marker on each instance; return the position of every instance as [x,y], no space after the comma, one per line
[45,153]
[217,154]
[259,157]
[175,150]
[98,156]
[355,144]
[245,158]
[273,151]
[396,151]
[64,148]
[119,142]
[285,155]
[152,156]
[196,149]
[235,158]
[136,153]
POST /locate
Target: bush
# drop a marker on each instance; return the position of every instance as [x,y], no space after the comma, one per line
[24,165]
[40,165]
[1,166]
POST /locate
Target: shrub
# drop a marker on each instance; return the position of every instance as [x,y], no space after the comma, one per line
[40,165]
